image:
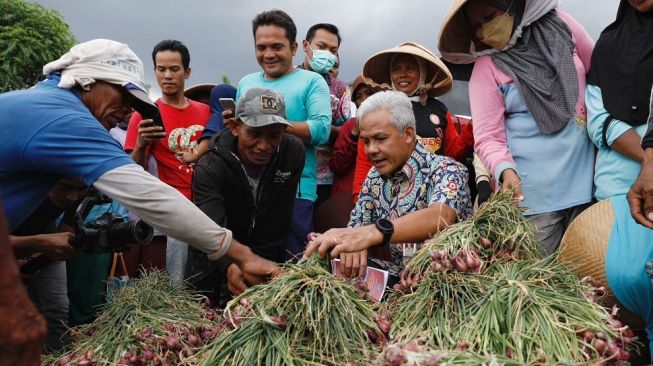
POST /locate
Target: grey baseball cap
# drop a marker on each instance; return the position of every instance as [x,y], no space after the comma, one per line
[261,107]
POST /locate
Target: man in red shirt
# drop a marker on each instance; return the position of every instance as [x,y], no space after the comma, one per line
[183,123]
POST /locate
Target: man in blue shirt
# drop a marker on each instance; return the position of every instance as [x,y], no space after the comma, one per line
[308,106]
[60,128]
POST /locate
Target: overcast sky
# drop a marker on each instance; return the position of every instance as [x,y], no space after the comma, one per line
[218,32]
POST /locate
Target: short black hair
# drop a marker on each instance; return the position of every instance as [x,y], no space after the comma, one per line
[174,46]
[279,18]
[327,27]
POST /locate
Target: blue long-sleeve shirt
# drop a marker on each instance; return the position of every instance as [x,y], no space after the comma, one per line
[614,172]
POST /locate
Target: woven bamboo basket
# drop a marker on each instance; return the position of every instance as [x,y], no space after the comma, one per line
[583,248]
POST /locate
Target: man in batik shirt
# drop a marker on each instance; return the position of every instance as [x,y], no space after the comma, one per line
[408,196]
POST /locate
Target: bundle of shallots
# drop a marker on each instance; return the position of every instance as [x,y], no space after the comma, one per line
[415,353]
[480,285]
[497,231]
[305,316]
[539,312]
[153,321]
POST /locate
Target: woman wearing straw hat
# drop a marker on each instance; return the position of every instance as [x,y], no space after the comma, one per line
[527,100]
[414,70]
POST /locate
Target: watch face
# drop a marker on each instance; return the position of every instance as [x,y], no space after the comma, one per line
[385,225]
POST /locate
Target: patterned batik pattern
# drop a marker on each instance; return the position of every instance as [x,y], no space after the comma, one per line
[424,180]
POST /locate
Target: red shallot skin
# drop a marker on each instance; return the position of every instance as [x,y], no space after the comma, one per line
[64,360]
[172,342]
[462,346]
[384,325]
[311,236]
[599,345]
[206,334]
[209,315]
[194,340]
[485,243]
[472,260]
[508,353]
[432,360]
[148,355]
[395,356]
[279,321]
[384,314]
[459,263]
[437,267]
[206,303]
[436,256]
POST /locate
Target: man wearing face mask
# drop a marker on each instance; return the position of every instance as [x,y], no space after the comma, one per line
[321,49]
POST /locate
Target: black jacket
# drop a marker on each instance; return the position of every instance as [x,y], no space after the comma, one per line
[222,190]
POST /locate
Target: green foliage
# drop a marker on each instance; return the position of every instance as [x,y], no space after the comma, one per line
[30,37]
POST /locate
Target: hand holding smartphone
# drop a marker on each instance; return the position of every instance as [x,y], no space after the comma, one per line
[228,104]
[154,115]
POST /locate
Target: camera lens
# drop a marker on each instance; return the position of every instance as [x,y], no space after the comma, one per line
[141,232]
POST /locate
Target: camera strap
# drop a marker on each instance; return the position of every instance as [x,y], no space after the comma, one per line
[117,257]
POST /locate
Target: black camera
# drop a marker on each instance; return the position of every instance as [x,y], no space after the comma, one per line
[109,233]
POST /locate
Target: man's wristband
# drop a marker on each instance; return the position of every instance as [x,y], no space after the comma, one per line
[386,228]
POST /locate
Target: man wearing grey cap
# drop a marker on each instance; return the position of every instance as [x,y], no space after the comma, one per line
[60,128]
[247,182]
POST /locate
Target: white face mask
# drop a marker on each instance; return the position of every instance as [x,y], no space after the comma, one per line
[497,32]
[322,61]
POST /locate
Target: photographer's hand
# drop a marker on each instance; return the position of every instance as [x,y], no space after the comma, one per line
[56,246]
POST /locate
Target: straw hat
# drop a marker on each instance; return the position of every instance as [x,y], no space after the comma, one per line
[455,35]
[438,79]
[583,248]
[199,92]
[359,81]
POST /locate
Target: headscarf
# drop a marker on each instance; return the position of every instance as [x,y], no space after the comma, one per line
[622,65]
[98,59]
[420,93]
[106,60]
[541,64]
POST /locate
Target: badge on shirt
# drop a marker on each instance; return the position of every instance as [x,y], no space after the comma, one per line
[435,119]
[432,144]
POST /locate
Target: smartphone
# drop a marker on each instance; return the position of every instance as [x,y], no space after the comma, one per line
[153,114]
[228,104]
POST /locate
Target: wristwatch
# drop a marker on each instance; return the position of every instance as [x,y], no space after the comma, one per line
[386,228]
